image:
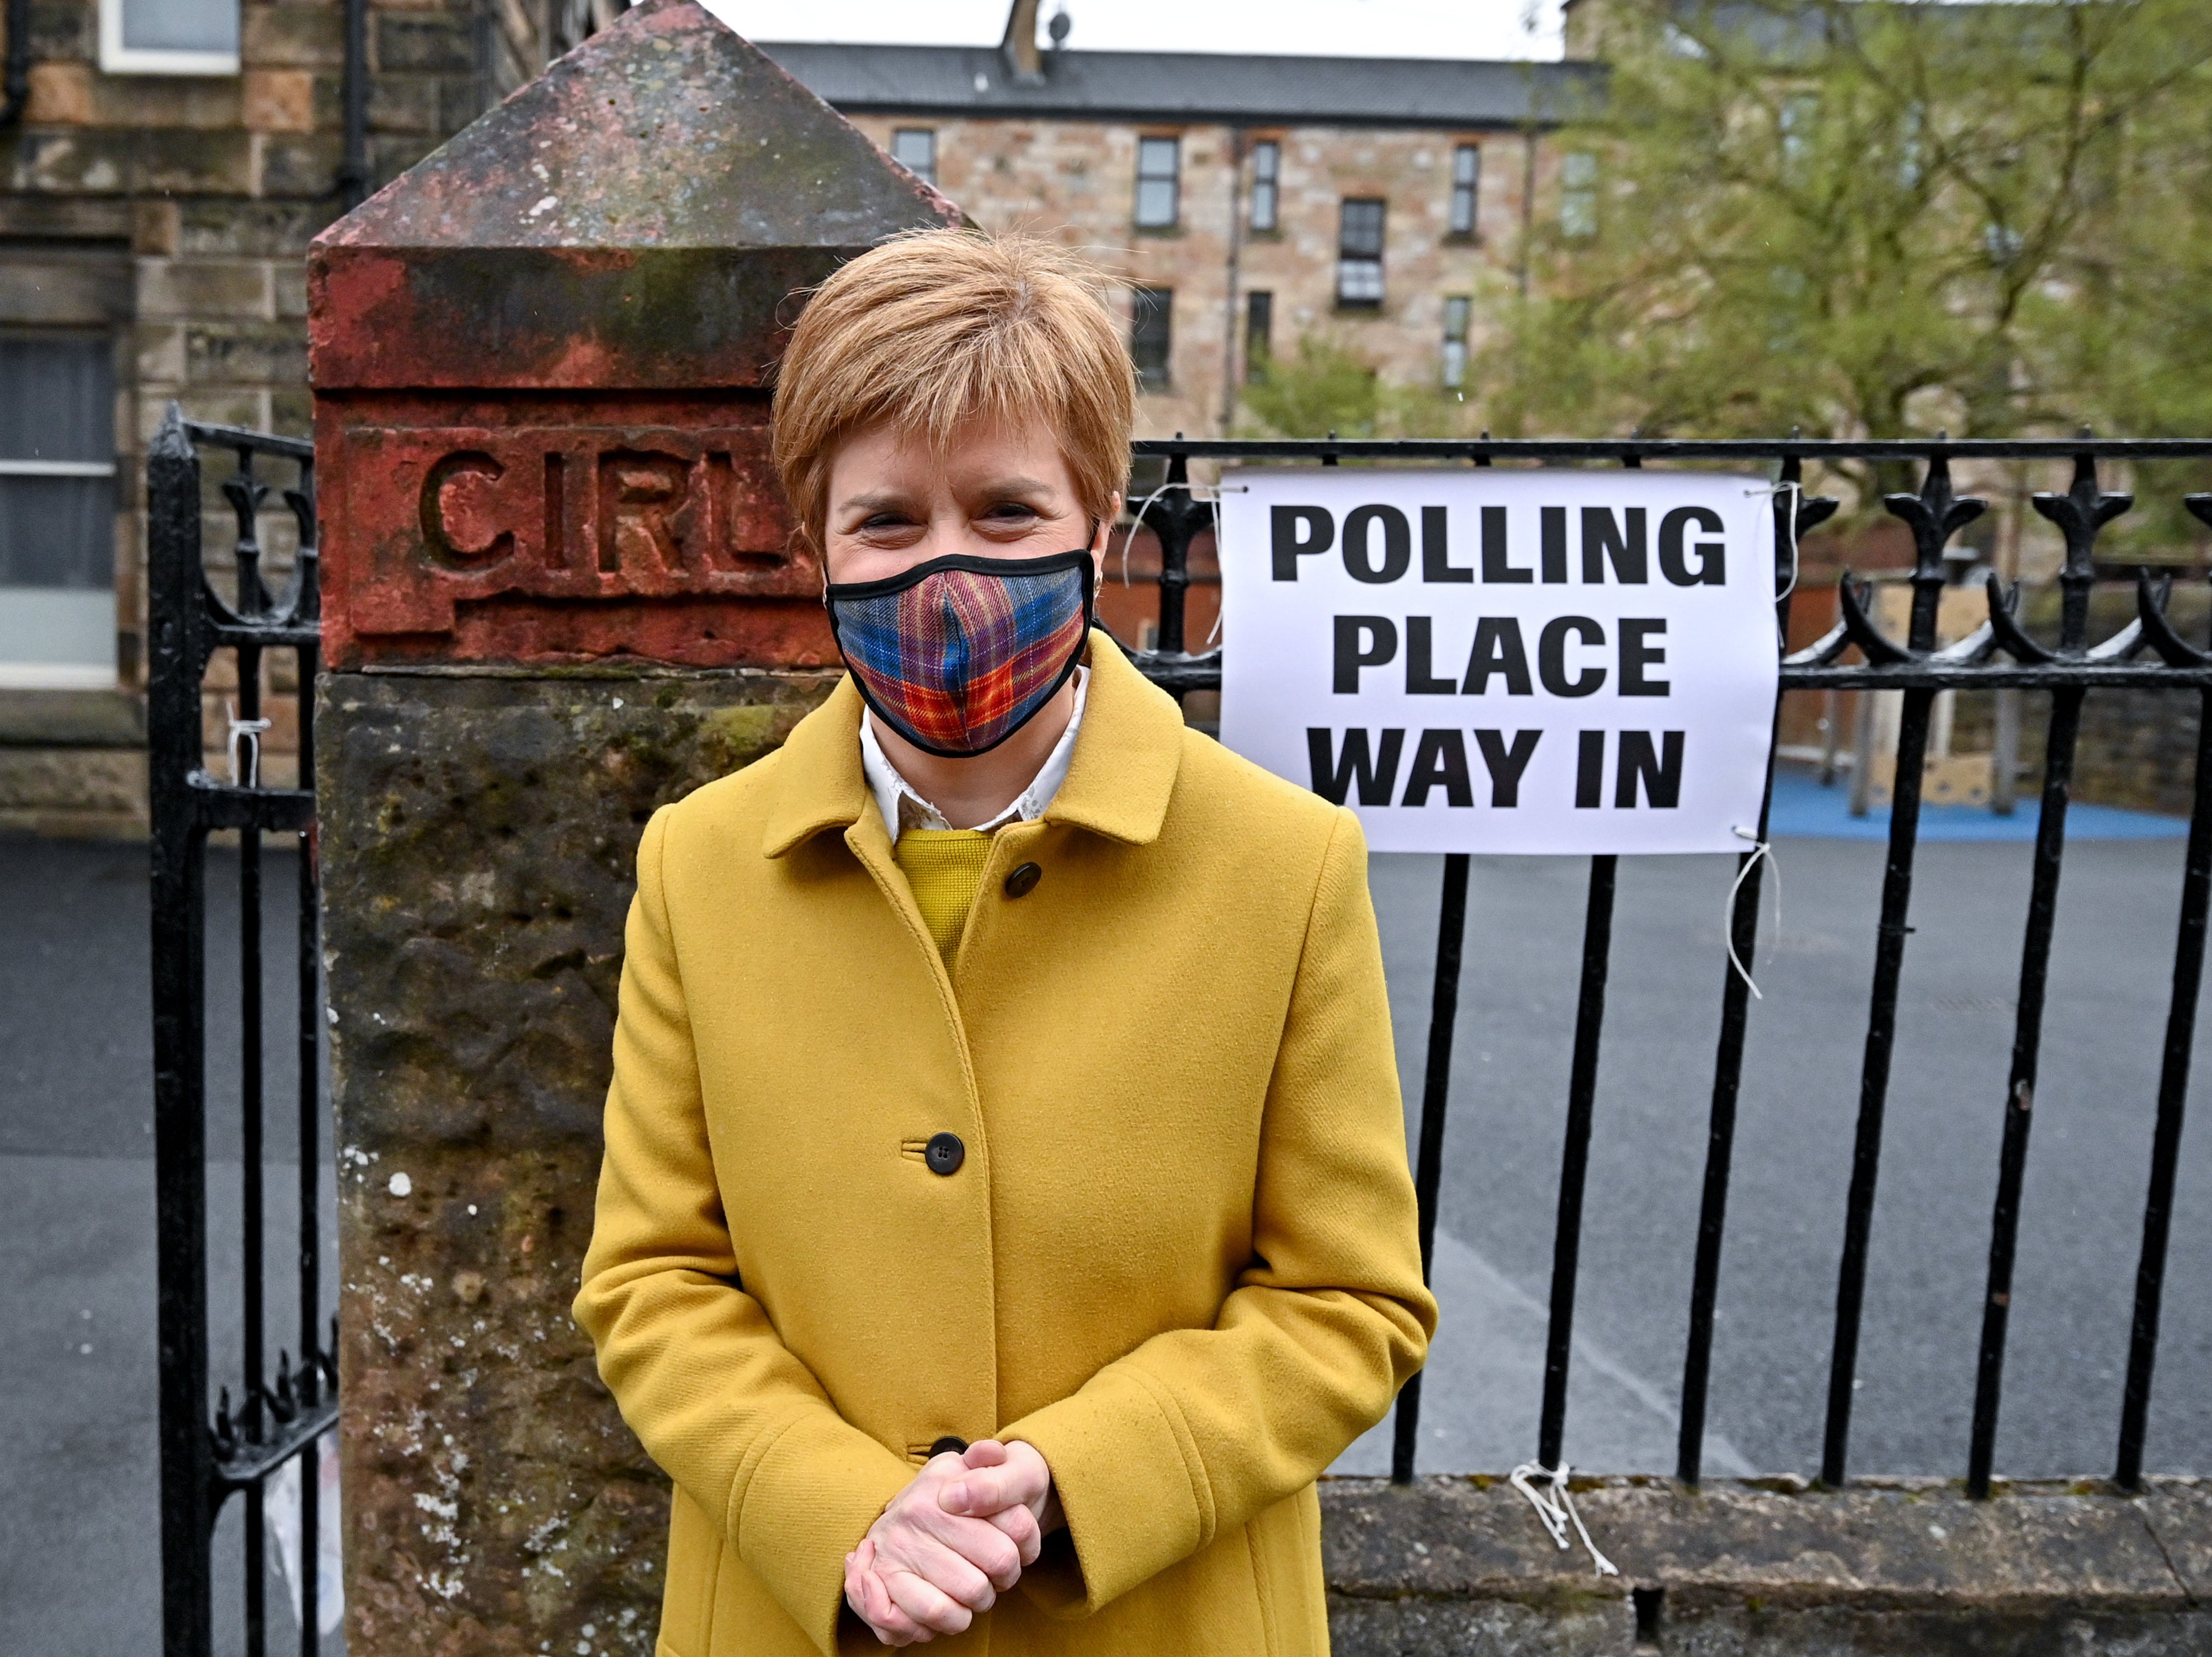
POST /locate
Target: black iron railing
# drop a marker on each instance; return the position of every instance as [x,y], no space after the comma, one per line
[2148,654]
[273,1417]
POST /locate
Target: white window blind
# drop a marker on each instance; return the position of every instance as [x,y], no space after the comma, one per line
[1359,253]
[169,37]
[915,149]
[1159,164]
[1267,181]
[56,510]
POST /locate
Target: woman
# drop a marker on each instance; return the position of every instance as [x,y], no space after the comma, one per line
[1005,1215]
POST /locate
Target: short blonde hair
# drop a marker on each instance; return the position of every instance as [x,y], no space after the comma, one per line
[936,329]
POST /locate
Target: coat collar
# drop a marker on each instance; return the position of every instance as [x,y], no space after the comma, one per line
[1126,755]
[1118,785]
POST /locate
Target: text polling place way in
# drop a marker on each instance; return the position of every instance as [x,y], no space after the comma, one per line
[1551,661]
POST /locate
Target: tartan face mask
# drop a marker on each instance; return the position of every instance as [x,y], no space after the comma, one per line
[959,653]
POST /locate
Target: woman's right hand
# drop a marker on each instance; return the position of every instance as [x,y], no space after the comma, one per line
[920,1571]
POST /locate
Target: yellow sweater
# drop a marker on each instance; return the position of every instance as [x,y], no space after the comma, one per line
[944,868]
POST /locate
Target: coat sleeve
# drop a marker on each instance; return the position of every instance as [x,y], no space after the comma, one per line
[1197,1431]
[699,1371]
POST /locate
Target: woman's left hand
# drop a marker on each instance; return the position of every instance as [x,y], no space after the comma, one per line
[1005,1486]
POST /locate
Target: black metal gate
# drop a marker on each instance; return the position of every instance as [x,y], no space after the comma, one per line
[208,1455]
[270,1416]
[2066,670]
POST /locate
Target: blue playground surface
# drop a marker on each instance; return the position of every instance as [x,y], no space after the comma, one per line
[1803,810]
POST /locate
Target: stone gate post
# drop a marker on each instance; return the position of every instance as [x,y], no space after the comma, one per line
[559,591]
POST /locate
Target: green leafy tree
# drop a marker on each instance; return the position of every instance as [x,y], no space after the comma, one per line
[1326,387]
[1322,388]
[1871,218]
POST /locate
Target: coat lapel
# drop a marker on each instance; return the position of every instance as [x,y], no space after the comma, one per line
[1118,783]
[819,780]
[1125,756]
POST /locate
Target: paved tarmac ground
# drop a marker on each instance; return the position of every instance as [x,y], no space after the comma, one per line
[78,1552]
[2081,1213]
[79,1544]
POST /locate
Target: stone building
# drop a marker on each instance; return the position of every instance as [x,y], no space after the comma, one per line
[164,163]
[1248,205]
[1248,202]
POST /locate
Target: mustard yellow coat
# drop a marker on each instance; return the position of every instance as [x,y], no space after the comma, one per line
[1179,1257]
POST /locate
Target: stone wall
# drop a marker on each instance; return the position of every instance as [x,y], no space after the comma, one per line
[71,762]
[174,213]
[1772,1569]
[479,836]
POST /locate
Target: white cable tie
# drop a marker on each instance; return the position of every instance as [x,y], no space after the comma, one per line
[1138,523]
[1761,848]
[248,732]
[1556,1511]
[1795,490]
[1137,518]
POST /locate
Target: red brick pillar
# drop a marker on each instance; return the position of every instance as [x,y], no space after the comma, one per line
[559,591]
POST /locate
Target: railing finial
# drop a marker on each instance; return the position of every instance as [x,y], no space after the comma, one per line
[170,441]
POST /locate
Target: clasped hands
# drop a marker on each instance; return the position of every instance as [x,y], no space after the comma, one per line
[953,1541]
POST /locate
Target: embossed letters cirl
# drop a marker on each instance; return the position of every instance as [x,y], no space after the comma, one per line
[576,513]
[450,518]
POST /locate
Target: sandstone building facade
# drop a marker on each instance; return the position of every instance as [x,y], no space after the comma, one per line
[163,166]
[1248,203]
[164,163]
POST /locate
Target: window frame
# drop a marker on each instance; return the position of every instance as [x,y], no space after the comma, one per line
[928,177]
[107,672]
[1172,179]
[1349,258]
[1267,185]
[116,57]
[1466,192]
[1459,315]
[1578,195]
[1796,125]
[1259,334]
[1148,304]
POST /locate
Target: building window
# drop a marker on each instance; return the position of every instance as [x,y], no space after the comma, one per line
[1150,335]
[1359,253]
[168,37]
[56,510]
[1467,173]
[915,149]
[1912,132]
[1801,120]
[1267,179]
[1159,163]
[1578,194]
[1259,336]
[1457,308]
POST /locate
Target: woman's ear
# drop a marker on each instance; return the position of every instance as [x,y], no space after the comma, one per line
[1102,530]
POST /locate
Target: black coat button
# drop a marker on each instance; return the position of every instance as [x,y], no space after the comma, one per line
[1024,880]
[957,1446]
[944,1153]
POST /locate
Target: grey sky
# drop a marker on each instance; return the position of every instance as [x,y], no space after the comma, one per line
[1367,29]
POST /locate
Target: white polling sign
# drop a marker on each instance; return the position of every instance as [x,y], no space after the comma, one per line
[1550,661]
